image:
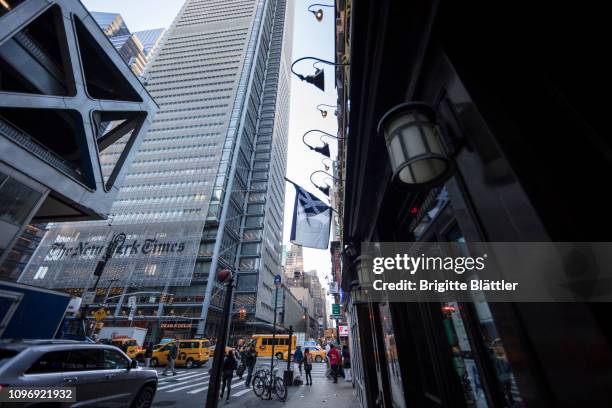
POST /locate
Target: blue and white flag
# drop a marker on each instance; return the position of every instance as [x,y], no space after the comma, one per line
[311,220]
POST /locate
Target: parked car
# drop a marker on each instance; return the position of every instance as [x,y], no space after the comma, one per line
[102,374]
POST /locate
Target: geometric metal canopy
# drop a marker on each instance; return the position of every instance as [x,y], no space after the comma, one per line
[72,113]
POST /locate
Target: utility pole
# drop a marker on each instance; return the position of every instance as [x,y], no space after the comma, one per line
[277,284]
[212,397]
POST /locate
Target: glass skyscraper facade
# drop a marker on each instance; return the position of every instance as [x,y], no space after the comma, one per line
[210,170]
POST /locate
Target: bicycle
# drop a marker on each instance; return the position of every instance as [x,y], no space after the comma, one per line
[257,379]
[267,383]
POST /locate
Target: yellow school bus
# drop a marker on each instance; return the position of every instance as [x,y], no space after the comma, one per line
[263,345]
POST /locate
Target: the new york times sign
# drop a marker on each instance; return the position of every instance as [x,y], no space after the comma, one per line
[88,250]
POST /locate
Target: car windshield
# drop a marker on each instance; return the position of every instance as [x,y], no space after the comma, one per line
[6,355]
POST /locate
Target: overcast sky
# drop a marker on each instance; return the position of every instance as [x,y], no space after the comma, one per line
[310,38]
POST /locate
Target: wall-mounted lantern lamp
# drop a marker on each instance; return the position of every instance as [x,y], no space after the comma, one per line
[324,150]
[417,156]
[324,190]
[324,111]
[318,79]
[318,13]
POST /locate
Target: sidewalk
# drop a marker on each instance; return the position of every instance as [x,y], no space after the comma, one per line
[323,393]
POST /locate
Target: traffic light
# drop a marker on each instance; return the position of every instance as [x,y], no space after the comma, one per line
[242,313]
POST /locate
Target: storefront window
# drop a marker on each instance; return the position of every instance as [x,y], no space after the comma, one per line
[463,358]
[395,375]
[491,340]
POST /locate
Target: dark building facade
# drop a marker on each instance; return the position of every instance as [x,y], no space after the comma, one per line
[515,90]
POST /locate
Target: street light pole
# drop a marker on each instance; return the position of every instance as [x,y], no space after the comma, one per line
[212,397]
[117,241]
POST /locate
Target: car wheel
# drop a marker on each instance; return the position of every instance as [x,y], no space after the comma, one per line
[318,359]
[189,363]
[144,398]
[279,356]
[154,362]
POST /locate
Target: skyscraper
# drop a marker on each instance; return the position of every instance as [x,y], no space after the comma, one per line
[206,189]
[294,263]
[134,48]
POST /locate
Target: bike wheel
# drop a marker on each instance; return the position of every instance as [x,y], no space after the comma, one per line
[259,385]
[280,390]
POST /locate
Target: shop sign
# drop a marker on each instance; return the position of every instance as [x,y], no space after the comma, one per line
[343,330]
[333,288]
[175,325]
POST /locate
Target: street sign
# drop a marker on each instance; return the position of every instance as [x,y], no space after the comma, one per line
[277,281]
[131,316]
[336,309]
[131,301]
[333,288]
[88,297]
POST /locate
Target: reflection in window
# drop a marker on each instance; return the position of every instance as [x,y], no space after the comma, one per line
[16,201]
[395,375]
[491,340]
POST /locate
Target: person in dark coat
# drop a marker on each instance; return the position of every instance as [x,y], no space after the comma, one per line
[229,365]
[346,363]
[172,353]
[250,358]
[148,354]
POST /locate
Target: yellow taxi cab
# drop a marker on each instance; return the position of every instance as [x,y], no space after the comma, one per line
[263,345]
[190,353]
[129,346]
[318,353]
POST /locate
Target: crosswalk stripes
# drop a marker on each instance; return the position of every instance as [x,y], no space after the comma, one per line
[197,381]
[190,380]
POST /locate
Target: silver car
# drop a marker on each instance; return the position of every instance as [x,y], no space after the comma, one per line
[103,375]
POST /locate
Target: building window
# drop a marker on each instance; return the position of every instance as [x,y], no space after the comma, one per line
[150,269]
[41,272]
[251,248]
[16,201]
[247,283]
[249,264]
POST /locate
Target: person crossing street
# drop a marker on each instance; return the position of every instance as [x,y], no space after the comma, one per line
[229,365]
[308,366]
[172,353]
[250,358]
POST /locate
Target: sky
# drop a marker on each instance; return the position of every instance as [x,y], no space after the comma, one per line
[310,38]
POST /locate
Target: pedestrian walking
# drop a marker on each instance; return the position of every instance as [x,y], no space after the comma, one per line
[328,371]
[148,354]
[334,361]
[172,353]
[229,365]
[250,358]
[346,363]
[308,365]
[298,357]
